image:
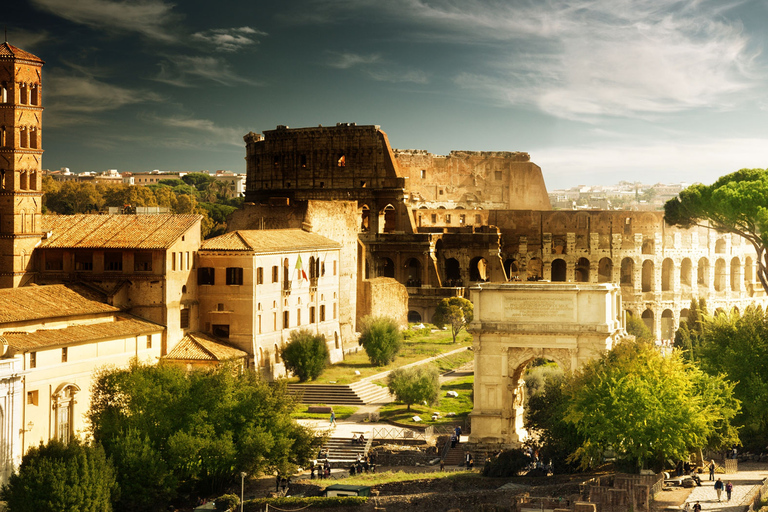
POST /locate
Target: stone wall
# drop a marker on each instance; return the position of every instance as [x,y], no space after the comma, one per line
[383,296]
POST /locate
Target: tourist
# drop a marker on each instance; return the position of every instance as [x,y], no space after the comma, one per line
[719,488]
[333,419]
[728,490]
[458,434]
[711,470]
[697,507]
[453,440]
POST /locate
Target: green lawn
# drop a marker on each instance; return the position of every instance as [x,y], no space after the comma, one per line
[400,476]
[416,347]
[342,412]
[461,405]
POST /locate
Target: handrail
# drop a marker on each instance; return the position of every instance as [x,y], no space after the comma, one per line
[446,449]
[368,446]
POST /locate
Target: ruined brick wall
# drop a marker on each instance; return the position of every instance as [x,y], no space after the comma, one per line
[383,296]
[469,179]
[337,220]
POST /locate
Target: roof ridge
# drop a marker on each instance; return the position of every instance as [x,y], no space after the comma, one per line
[197,341]
[245,242]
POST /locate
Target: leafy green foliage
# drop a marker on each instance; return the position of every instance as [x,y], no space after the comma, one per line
[414,385]
[171,432]
[636,327]
[311,501]
[737,346]
[461,405]
[508,463]
[648,407]
[688,335]
[381,338]
[76,476]
[227,502]
[736,203]
[305,354]
[454,311]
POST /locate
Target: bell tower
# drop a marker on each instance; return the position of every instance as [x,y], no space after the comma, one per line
[21,152]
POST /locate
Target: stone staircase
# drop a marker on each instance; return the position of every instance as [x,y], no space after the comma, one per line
[358,393]
[455,456]
[342,452]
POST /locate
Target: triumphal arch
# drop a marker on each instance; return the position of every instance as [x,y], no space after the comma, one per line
[515,323]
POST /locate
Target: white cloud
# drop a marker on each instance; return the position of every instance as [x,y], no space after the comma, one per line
[185,71]
[346,60]
[214,134]
[148,17]
[229,39]
[375,67]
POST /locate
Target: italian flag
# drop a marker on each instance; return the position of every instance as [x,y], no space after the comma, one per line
[300,270]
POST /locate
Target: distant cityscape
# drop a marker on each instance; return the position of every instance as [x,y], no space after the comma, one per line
[624,195]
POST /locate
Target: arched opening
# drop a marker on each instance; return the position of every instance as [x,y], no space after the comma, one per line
[720,246]
[277,354]
[667,324]
[684,315]
[64,405]
[558,245]
[478,269]
[453,272]
[648,320]
[262,359]
[685,272]
[336,342]
[749,275]
[390,219]
[581,272]
[534,269]
[605,270]
[413,271]
[667,271]
[312,269]
[628,272]
[702,274]
[510,266]
[719,275]
[365,219]
[414,317]
[647,277]
[558,270]
[386,268]
[719,311]
[735,274]
[648,246]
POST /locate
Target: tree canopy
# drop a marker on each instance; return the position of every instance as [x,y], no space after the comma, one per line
[454,311]
[736,203]
[415,385]
[172,432]
[381,339]
[648,407]
[305,354]
[55,476]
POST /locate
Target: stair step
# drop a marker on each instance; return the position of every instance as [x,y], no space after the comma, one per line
[358,393]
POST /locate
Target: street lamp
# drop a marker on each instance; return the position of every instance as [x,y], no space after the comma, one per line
[242,486]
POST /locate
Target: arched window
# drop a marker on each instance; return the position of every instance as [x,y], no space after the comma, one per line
[558,270]
[735,274]
[63,405]
[648,319]
[667,271]
[453,272]
[582,271]
[390,219]
[35,95]
[365,219]
[23,138]
[648,276]
[534,269]
[478,269]
[386,268]
[23,94]
[414,317]
[605,270]
[685,272]
[720,246]
[720,275]
[667,325]
[413,272]
[512,271]
[702,277]
[628,272]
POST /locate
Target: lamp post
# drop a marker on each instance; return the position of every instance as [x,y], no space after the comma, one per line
[242,486]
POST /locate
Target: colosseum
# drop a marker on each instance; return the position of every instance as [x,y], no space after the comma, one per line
[440,224]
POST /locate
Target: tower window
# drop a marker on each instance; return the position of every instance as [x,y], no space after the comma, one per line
[235,275]
[423,174]
[206,275]
[113,261]
[142,262]
[84,261]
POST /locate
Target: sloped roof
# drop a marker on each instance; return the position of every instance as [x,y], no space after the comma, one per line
[200,347]
[8,51]
[39,302]
[122,327]
[115,231]
[269,240]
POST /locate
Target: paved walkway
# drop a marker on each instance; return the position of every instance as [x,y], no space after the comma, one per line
[382,375]
[749,477]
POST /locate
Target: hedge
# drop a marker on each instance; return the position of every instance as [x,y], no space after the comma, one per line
[313,501]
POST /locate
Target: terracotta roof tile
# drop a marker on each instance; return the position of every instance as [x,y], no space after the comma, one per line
[8,51]
[269,240]
[200,347]
[122,327]
[38,302]
[115,231]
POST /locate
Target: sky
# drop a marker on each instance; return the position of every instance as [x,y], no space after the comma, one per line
[596,91]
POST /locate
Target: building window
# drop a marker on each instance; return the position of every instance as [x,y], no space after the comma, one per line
[334,311]
[149,341]
[311,315]
[423,174]
[187,255]
[334,267]
[260,275]
[64,402]
[322,312]
[298,317]
[447,218]
[220,306]
[84,261]
[113,261]
[33,359]
[235,275]
[173,261]
[462,219]
[142,262]
[286,319]
[221,331]
[206,275]
[64,354]
[54,260]
[434,218]
[181,261]
[275,274]
[184,318]
[259,317]
[32,397]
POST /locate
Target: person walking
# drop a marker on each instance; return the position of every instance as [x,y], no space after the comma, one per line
[711,470]
[719,488]
[728,490]
[333,419]
[697,507]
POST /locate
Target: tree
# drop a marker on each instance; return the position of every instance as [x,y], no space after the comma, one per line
[456,311]
[305,355]
[688,335]
[736,203]
[381,338]
[414,385]
[636,327]
[55,476]
[192,433]
[648,407]
[737,345]
[199,180]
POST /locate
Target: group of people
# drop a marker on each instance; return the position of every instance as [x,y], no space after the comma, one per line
[358,440]
[363,463]
[456,436]
[323,469]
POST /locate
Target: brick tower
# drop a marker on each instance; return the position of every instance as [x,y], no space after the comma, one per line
[21,153]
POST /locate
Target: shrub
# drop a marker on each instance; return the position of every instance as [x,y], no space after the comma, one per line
[227,502]
[305,355]
[414,385]
[381,338]
[508,463]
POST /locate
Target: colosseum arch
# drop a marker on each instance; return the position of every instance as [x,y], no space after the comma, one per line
[667,273]
[386,268]
[628,272]
[735,274]
[702,277]
[478,269]
[581,274]
[605,270]
[719,275]
[413,272]
[720,246]
[647,317]
[511,268]
[648,276]
[667,324]
[558,270]
[534,270]
[685,272]
[453,272]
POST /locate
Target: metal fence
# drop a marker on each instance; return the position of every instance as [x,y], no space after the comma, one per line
[397,433]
